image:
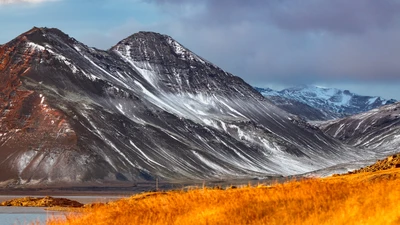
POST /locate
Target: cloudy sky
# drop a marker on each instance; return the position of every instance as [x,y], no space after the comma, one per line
[346,44]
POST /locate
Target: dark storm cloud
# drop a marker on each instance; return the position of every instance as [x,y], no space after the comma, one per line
[296,40]
[288,42]
[302,15]
[23,1]
[335,15]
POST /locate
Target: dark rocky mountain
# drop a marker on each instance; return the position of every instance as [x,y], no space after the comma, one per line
[148,107]
[377,130]
[317,103]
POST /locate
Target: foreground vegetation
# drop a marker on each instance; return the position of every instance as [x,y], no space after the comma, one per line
[365,198]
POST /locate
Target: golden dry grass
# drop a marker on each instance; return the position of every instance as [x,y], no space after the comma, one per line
[370,198]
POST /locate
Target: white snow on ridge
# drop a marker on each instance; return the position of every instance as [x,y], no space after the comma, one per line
[70,65]
[109,74]
[77,48]
[129,115]
[90,76]
[144,155]
[25,159]
[324,93]
[331,102]
[372,100]
[143,68]
[345,100]
[327,94]
[60,57]
[182,51]
[98,133]
[217,168]
[36,46]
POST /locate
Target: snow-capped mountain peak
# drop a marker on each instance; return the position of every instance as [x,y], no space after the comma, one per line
[178,70]
[332,102]
[155,41]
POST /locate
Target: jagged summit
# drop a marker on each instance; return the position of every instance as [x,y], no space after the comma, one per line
[44,35]
[145,35]
[178,69]
[45,30]
[152,46]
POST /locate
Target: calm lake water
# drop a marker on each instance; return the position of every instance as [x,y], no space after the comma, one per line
[20,215]
[27,215]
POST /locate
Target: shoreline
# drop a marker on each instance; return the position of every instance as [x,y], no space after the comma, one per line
[124,189]
[88,199]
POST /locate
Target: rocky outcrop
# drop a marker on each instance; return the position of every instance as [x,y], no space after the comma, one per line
[390,162]
[42,202]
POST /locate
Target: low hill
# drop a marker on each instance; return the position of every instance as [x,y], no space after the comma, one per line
[390,162]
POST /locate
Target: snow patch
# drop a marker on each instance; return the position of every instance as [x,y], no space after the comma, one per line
[25,159]
[144,155]
[36,46]
[372,100]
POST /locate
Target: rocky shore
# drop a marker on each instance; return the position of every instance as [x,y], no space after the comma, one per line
[42,202]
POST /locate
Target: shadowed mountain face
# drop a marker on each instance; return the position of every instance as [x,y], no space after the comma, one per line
[146,108]
[298,108]
[318,103]
[378,129]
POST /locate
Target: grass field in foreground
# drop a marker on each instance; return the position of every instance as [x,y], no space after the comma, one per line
[367,198]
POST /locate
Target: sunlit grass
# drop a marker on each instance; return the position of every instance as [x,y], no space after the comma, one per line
[371,198]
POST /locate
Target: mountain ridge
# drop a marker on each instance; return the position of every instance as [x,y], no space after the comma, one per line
[71,113]
[333,103]
[376,129]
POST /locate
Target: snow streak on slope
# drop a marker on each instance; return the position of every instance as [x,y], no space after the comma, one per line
[378,129]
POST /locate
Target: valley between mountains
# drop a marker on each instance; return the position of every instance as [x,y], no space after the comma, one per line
[148,108]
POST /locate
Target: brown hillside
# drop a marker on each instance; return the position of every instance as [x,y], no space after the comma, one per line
[385,164]
[350,199]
